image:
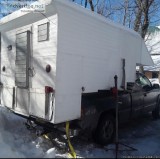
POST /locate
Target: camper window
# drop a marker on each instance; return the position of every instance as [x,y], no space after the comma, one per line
[43,32]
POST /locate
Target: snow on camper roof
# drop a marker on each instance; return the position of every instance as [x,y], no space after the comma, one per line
[67,3]
[18,19]
[95,15]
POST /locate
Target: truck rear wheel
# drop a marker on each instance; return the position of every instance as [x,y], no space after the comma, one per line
[156,111]
[105,130]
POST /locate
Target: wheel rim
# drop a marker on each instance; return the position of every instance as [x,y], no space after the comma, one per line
[107,130]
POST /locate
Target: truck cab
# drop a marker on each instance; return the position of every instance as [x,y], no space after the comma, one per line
[99,109]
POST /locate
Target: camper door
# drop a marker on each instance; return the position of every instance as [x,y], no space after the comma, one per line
[22,65]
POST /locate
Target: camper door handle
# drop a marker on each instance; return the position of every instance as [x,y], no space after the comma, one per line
[31,71]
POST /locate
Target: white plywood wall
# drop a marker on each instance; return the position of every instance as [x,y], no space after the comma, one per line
[44,53]
[84,50]
[90,53]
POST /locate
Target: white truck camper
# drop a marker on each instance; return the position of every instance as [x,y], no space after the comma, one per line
[48,60]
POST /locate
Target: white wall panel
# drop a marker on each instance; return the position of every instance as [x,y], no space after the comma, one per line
[84,50]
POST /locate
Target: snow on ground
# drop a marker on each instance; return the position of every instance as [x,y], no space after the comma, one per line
[16,141]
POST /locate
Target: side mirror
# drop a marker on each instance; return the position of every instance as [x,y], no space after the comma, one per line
[147,88]
[156,86]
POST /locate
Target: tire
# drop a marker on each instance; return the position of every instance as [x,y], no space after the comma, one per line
[105,131]
[156,111]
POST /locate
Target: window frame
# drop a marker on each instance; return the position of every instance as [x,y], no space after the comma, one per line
[143,81]
[47,39]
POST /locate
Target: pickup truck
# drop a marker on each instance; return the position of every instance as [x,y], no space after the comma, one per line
[99,109]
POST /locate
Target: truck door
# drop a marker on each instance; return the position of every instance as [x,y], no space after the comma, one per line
[137,96]
[149,100]
[22,64]
[149,94]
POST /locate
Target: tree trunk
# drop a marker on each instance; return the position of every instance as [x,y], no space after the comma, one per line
[91,5]
[137,22]
[142,19]
[125,12]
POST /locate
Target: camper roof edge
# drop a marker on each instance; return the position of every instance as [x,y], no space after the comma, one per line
[67,3]
[96,15]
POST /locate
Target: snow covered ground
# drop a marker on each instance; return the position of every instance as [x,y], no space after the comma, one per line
[16,141]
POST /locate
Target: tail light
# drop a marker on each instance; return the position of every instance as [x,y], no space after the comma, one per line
[114,91]
[49,89]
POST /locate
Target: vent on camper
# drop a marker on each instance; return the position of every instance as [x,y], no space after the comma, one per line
[22,59]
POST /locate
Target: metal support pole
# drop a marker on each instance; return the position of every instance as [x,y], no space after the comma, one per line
[117,116]
[116,97]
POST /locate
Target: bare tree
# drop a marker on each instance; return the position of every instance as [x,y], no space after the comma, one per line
[91,4]
[142,20]
[122,11]
[104,7]
[125,11]
[86,2]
